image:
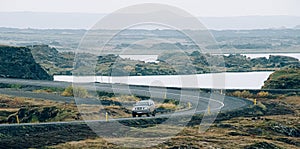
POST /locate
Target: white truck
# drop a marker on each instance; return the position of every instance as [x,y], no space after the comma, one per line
[144,107]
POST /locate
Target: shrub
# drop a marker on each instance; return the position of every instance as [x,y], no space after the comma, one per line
[172,101]
[236,93]
[102,93]
[243,94]
[168,106]
[246,94]
[75,91]
[68,91]
[263,94]
[80,92]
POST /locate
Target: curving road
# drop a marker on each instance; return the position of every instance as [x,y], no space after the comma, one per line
[199,100]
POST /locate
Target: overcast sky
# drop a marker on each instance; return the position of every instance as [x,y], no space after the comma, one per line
[202,8]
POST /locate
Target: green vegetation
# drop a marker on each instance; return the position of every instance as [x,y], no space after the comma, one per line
[16,86]
[284,79]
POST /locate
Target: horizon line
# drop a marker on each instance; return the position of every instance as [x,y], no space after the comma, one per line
[103,13]
[31,28]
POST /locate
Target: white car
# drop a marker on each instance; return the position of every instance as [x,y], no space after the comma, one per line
[144,107]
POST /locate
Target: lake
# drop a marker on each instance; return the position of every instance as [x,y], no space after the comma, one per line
[226,80]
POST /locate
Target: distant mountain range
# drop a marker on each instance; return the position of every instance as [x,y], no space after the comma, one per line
[45,20]
[297,27]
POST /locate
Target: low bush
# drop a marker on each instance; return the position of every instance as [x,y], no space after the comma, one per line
[75,91]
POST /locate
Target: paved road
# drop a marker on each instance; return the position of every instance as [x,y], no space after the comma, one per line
[199,100]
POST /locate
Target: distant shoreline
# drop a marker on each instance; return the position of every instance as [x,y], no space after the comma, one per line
[43,20]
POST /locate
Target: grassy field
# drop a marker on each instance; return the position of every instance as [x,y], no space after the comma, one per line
[272,123]
[35,110]
[268,129]
[29,110]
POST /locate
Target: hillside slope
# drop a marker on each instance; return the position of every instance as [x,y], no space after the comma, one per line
[51,60]
[283,79]
[18,62]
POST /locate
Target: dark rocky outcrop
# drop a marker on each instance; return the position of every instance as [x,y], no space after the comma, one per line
[53,61]
[18,62]
[285,130]
[262,145]
[27,115]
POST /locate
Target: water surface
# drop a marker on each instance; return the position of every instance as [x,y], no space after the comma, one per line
[227,80]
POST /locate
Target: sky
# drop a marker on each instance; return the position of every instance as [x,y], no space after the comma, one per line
[199,8]
[214,14]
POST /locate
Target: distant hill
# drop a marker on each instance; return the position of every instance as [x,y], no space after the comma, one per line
[297,27]
[18,62]
[230,41]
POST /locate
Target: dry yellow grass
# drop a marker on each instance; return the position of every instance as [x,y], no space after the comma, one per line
[125,98]
[13,104]
[22,101]
[47,91]
[9,109]
[98,112]
[170,106]
[190,137]
[294,100]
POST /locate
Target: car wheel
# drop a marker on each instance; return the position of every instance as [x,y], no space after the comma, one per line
[133,115]
[153,113]
[148,114]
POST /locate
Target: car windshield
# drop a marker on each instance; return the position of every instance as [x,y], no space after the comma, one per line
[142,103]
